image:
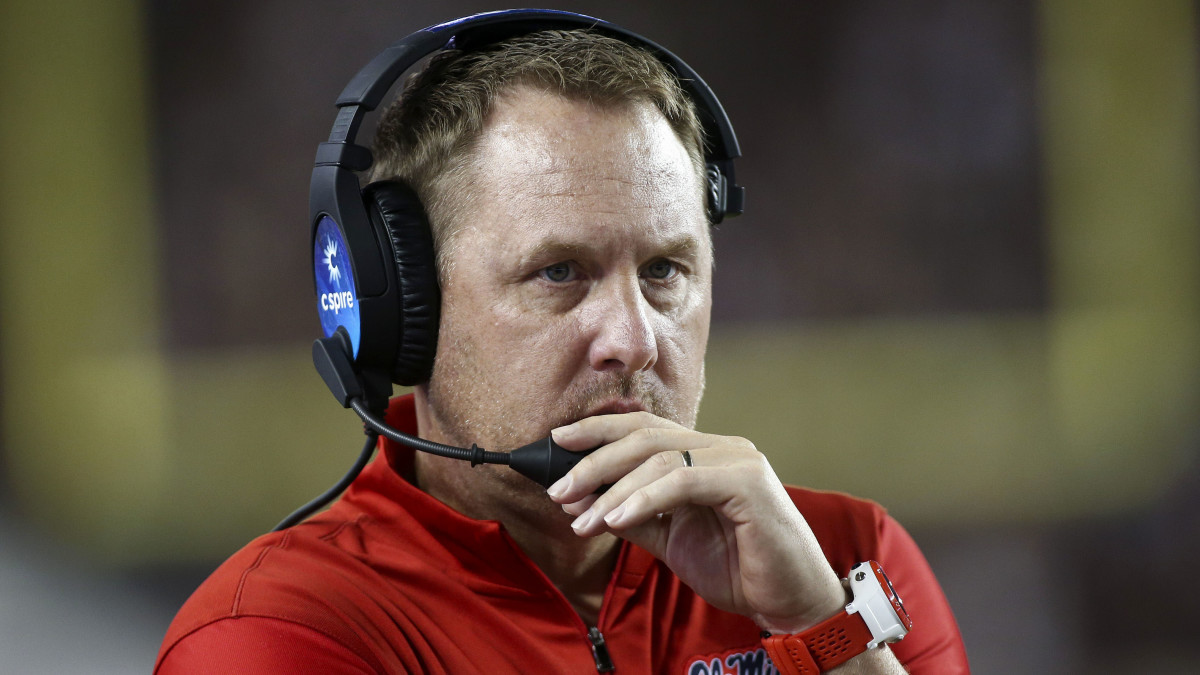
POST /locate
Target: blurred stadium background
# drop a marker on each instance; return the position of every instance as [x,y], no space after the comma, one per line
[967,287]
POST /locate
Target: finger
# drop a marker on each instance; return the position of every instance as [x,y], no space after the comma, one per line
[656,468]
[591,432]
[617,459]
[706,486]
[651,536]
[576,508]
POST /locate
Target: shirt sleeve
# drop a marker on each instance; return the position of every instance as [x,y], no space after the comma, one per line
[264,645]
[935,644]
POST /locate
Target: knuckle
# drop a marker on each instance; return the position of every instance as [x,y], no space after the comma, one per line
[760,459]
[666,459]
[647,435]
[761,468]
[638,500]
[743,444]
[680,480]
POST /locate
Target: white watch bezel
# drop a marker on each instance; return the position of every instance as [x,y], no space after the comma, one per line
[871,601]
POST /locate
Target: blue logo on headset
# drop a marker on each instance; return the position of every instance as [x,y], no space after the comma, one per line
[337,301]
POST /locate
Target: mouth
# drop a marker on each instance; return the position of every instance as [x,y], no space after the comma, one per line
[616,407]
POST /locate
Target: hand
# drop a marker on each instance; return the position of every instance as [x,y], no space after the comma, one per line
[725,525]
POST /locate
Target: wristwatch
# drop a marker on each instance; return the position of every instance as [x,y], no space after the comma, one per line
[874,616]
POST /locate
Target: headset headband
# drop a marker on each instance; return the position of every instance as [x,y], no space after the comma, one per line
[365,92]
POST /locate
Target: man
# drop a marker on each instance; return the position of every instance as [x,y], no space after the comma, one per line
[563,175]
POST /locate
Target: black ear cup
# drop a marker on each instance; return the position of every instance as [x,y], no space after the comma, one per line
[398,216]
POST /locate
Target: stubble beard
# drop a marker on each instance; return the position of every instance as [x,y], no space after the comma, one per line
[470,407]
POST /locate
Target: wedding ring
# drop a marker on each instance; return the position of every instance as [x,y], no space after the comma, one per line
[687,457]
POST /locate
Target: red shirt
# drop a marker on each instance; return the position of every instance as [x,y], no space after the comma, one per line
[390,580]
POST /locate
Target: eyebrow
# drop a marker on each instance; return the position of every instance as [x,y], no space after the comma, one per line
[685,245]
[552,250]
[682,246]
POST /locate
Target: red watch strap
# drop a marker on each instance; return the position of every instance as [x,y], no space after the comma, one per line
[821,648]
[789,655]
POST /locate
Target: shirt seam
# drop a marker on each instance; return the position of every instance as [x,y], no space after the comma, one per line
[237,596]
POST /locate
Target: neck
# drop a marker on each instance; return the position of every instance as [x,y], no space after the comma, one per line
[579,567]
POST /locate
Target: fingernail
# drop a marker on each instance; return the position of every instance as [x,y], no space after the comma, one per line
[582,521]
[614,517]
[564,432]
[560,487]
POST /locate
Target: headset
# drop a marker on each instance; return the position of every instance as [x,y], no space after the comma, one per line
[373,258]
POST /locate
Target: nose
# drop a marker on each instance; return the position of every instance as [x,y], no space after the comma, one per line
[624,338]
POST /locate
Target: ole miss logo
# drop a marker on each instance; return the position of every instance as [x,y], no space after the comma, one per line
[752,661]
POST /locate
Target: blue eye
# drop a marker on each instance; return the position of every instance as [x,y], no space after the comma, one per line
[558,272]
[660,269]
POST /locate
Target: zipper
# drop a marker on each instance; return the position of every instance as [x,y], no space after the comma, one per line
[604,662]
[595,638]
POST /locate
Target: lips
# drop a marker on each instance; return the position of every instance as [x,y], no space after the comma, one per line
[617,407]
[614,396]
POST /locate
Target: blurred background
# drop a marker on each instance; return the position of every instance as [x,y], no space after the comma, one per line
[967,286]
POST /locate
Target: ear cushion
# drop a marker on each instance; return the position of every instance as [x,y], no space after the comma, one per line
[398,214]
[715,194]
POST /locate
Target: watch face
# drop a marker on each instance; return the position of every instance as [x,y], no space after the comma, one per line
[892,595]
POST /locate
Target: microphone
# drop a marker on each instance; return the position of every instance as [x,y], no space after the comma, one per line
[542,461]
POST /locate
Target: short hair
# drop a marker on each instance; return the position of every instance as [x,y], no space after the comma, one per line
[425,137]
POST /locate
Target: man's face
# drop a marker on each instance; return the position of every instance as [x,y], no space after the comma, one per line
[579,281]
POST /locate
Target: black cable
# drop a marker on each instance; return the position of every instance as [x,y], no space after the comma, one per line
[328,496]
[542,461]
[474,454]
[377,427]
